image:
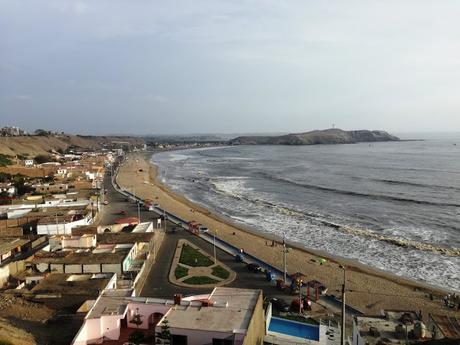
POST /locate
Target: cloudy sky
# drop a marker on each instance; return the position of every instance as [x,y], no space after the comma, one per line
[229,66]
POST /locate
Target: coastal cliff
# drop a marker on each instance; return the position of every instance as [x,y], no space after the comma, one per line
[328,136]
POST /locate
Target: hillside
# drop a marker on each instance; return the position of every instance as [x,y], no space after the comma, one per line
[328,136]
[35,145]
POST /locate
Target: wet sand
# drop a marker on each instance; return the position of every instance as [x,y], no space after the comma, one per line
[370,290]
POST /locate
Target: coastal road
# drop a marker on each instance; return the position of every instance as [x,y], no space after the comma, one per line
[158,284]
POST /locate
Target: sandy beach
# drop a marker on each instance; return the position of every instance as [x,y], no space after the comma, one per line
[370,290]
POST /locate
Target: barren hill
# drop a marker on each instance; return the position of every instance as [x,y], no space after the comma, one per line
[35,145]
[328,136]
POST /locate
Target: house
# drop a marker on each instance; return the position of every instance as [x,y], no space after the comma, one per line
[29,162]
[51,188]
[80,262]
[8,188]
[394,327]
[59,224]
[225,316]
[444,326]
[10,250]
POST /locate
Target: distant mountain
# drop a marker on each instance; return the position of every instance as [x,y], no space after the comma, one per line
[328,136]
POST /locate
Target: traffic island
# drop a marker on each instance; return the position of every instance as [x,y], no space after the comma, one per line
[193,267]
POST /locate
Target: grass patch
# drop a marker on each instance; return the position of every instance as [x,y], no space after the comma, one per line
[5,160]
[220,272]
[191,257]
[200,280]
[180,271]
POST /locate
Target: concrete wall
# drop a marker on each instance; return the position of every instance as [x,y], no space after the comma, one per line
[94,268]
[77,268]
[110,326]
[54,267]
[256,329]
[198,337]
[111,268]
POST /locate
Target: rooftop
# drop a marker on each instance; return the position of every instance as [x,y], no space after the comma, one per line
[110,302]
[8,244]
[235,306]
[80,257]
[123,237]
[449,325]
[376,328]
[73,284]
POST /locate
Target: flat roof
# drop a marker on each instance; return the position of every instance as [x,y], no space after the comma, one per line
[124,237]
[449,325]
[80,258]
[72,284]
[232,311]
[110,302]
[8,244]
[385,325]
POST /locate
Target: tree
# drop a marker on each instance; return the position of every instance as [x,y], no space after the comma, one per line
[40,159]
[136,337]
[41,132]
[165,333]
[137,319]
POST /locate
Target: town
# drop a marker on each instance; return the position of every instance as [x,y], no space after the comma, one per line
[84,259]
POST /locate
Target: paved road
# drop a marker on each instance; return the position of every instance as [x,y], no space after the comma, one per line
[157,284]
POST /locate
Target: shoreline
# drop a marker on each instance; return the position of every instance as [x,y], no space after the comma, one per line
[371,289]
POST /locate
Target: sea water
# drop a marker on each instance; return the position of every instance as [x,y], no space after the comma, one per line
[359,201]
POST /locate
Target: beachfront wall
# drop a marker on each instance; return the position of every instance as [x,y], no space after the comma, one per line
[256,329]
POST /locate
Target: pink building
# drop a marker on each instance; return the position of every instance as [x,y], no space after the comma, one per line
[226,316]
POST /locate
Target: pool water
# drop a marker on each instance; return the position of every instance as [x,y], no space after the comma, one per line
[294,328]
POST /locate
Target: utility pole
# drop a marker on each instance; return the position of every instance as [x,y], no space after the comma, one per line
[284,257]
[342,342]
[214,247]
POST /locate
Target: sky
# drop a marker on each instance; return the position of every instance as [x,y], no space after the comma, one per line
[211,66]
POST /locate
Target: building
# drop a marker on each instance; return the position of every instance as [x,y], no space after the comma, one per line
[110,260]
[8,188]
[444,326]
[10,250]
[29,162]
[51,188]
[393,327]
[59,224]
[11,132]
[225,316]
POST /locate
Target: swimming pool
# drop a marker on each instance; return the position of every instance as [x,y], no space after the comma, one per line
[294,328]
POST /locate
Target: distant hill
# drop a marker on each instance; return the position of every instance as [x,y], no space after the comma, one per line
[328,136]
[35,145]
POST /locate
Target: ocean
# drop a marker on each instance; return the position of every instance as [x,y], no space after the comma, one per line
[393,206]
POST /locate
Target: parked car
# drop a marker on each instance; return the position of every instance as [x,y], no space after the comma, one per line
[106,202]
[280,304]
[203,229]
[253,267]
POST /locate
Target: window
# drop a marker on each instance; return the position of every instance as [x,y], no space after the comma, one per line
[179,339]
